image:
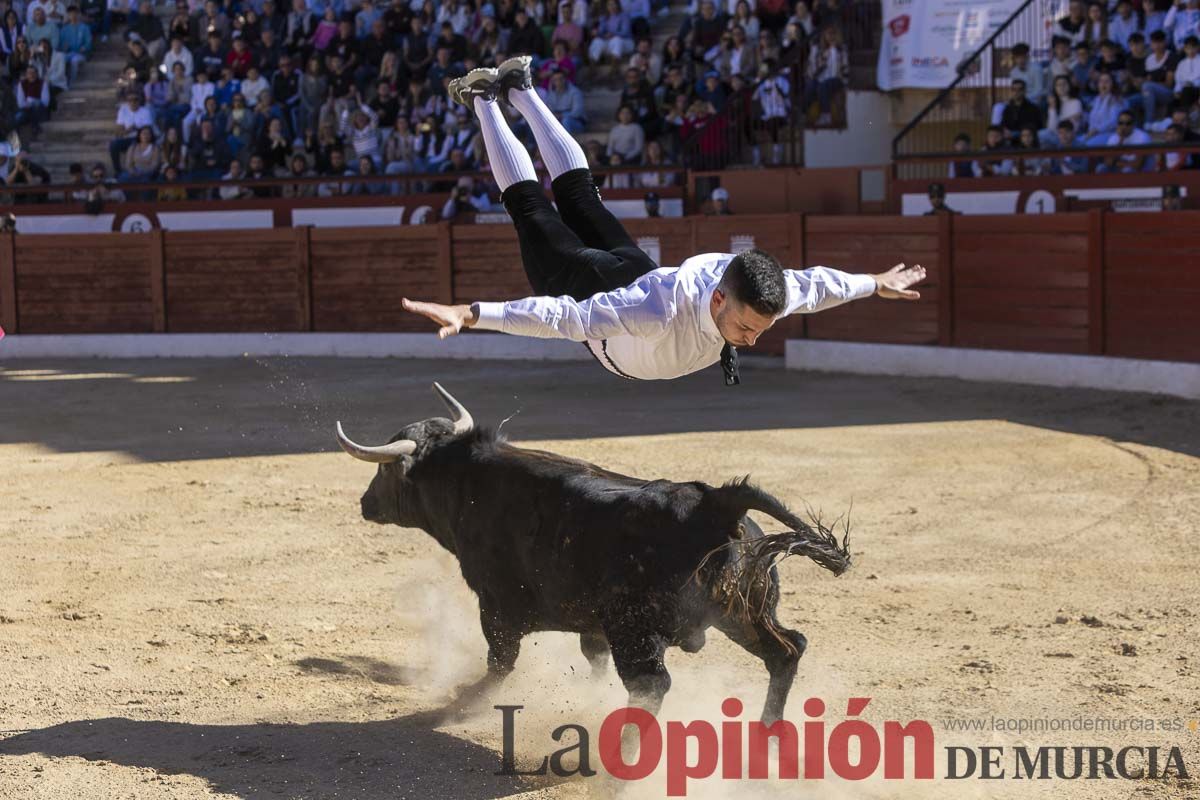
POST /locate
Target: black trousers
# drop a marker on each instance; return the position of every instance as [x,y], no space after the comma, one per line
[580,249]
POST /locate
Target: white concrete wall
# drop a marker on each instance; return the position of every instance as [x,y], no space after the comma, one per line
[1044,369]
[867,141]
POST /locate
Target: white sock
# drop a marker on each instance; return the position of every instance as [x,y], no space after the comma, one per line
[508,157]
[559,149]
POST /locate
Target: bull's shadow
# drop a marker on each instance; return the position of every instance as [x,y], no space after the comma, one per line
[392,759]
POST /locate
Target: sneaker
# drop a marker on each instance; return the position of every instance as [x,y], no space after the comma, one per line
[515,73]
[481,82]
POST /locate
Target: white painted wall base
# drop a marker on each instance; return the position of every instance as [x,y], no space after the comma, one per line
[347,345]
[1092,372]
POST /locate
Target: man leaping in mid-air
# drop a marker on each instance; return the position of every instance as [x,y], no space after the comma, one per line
[593,283]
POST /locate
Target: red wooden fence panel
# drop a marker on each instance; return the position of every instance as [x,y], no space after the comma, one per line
[84,284]
[359,276]
[1152,285]
[235,281]
[487,264]
[876,244]
[1021,282]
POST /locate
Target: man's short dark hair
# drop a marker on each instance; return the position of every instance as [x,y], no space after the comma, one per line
[1158,36]
[1020,49]
[756,279]
[1066,125]
[1136,36]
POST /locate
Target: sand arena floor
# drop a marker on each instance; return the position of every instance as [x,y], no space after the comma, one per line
[190,605]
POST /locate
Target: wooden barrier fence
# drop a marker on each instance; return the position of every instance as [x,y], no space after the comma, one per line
[1094,282]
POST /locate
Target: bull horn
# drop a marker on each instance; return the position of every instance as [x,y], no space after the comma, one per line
[383,454]
[463,421]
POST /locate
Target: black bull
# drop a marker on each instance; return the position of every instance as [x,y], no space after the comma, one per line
[549,543]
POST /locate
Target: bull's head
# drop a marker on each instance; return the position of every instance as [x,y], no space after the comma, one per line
[382,501]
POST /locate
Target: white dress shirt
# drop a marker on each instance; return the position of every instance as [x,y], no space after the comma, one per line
[661,326]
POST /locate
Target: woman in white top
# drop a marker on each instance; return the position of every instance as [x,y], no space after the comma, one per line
[1061,105]
[202,89]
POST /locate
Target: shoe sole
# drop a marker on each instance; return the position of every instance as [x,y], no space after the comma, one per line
[514,67]
[476,83]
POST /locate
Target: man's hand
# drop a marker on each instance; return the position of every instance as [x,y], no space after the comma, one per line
[893,284]
[451,319]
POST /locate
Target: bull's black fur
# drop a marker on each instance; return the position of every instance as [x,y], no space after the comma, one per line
[633,566]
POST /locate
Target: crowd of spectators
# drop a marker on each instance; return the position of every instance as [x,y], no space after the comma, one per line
[244,89]
[42,45]
[1119,78]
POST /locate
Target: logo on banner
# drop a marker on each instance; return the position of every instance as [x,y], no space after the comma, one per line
[900,25]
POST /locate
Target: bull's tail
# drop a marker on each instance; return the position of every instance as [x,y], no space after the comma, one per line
[813,539]
[740,573]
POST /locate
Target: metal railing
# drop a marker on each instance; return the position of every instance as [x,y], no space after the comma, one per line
[965,106]
[732,134]
[384,188]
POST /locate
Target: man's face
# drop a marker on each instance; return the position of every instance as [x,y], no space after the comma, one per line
[1124,125]
[39,16]
[1191,50]
[97,175]
[1173,135]
[558,82]
[1066,138]
[1137,48]
[739,324]
[994,137]
[337,160]
[1158,46]
[1018,92]
[256,163]
[1062,50]
[1081,55]
[960,146]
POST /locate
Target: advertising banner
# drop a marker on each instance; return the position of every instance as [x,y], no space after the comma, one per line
[924,41]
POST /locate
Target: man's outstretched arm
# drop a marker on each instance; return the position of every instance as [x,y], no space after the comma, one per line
[634,311]
[821,288]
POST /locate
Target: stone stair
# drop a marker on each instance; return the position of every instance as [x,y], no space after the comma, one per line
[85,121]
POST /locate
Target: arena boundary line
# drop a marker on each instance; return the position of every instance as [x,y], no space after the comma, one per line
[232,345]
[1044,369]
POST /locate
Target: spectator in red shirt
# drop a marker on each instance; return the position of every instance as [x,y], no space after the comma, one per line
[239,59]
